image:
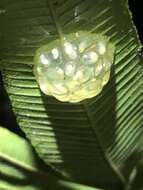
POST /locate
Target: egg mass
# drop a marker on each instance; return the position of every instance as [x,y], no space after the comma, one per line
[75,67]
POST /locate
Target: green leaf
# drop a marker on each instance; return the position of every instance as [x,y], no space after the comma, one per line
[9,143]
[15,151]
[90,141]
[73,186]
[16,162]
[18,166]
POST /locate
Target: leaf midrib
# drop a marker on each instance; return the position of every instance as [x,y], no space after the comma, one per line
[104,154]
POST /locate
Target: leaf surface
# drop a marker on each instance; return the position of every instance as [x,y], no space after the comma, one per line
[18,166]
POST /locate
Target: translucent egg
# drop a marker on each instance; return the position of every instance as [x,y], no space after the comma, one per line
[90,57]
[44,59]
[70,49]
[60,73]
[101,48]
[78,76]
[55,53]
[69,68]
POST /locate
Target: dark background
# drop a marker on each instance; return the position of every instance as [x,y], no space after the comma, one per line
[7,118]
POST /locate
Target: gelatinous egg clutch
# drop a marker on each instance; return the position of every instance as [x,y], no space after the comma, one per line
[74,68]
